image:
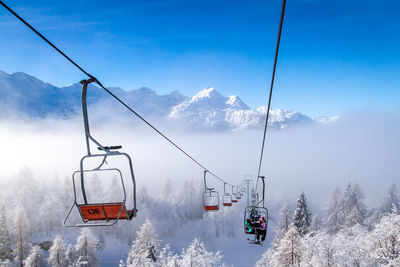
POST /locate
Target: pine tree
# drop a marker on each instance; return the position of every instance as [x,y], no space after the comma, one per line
[145,249]
[57,257]
[5,238]
[35,258]
[197,255]
[385,241]
[315,224]
[289,251]
[333,219]
[21,236]
[302,215]
[391,203]
[167,190]
[114,191]
[86,251]
[353,207]
[69,255]
[283,225]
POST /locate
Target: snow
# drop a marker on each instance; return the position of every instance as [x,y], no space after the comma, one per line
[207,109]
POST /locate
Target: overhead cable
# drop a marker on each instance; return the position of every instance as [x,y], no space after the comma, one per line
[108,91]
[270,91]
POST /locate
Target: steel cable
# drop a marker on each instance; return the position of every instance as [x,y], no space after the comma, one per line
[271,88]
[109,92]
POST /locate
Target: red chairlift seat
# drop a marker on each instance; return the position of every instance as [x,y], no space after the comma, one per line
[210,197]
[211,208]
[211,200]
[227,200]
[105,211]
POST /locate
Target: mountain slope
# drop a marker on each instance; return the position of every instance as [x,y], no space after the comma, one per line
[24,96]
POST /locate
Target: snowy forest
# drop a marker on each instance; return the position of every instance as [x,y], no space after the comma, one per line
[173,230]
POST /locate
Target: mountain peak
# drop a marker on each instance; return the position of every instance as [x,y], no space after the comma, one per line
[146,90]
[207,92]
[235,102]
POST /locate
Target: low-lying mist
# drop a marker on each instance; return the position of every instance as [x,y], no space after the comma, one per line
[361,147]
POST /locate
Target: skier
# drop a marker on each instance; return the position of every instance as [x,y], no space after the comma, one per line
[248,226]
[255,218]
[261,231]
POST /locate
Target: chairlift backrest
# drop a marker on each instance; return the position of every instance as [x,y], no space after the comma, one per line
[210,197]
[227,198]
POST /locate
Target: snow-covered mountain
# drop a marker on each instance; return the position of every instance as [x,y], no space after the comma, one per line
[25,96]
[210,108]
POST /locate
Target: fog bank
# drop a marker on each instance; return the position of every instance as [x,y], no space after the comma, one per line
[361,147]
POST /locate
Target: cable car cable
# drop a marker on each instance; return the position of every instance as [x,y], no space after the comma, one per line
[108,91]
[270,91]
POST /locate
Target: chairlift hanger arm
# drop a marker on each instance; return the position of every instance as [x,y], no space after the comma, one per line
[263,192]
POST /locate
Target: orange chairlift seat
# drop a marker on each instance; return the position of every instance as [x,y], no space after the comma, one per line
[108,213]
[227,198]
[210,197]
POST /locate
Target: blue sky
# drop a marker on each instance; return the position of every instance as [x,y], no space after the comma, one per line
[335,56]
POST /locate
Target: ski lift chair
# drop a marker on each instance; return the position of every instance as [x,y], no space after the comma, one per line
[227,198]
[238,192]
[256,210]
[260,211]
[105,213]
[234,197]
[210,197]
[211,200]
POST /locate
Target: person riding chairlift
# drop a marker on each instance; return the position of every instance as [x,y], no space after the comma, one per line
[249,226]
[255,218]
[262,230]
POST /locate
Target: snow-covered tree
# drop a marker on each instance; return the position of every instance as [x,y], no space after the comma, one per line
[318,250]
[86,251]
[145,249]
[5,238]
[385,241]
[57,257]
[35,258]
[197,255]
[289,251]
[66,194]
[191,200]
[22,243]
[350,248]
[285,220]
[69,255]
[391,204]
[50,209]
[114,191]
[353,208]
[332,219]
[167,190]
[302,215]
[266,259]
[315,224]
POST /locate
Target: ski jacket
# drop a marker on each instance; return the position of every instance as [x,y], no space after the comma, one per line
[263,226]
